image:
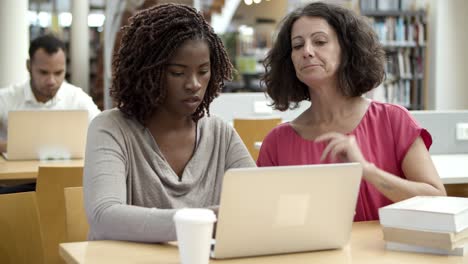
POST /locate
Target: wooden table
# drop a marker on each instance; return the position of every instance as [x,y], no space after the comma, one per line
[14,171]
[366,246]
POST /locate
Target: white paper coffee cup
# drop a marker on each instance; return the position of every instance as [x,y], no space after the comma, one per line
[194,228]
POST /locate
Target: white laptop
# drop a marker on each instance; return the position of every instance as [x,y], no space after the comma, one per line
[275,210]
[46,134]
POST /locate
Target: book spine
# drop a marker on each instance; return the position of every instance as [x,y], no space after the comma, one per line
[437,240]
[413,248]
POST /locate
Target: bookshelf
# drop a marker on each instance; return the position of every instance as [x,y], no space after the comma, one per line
[94,46]
[402,29]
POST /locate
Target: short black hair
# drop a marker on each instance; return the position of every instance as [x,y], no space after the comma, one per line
[49,43]
[362,61]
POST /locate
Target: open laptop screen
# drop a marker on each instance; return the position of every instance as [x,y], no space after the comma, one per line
[273,210]
[46,134]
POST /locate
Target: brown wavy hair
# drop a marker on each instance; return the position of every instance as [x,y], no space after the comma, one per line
[148,42]
[362,62]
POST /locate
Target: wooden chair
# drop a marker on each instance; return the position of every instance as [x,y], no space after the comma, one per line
[32,224]
[253,131]
[77,223]
[20,234]
[51,182]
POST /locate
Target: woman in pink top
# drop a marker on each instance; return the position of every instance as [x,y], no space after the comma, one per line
[331,56]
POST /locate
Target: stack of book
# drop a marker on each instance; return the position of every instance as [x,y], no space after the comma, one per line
[427,224]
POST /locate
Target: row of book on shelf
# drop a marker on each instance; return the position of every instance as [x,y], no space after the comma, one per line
[404,79]
[389,5]
[394,92]
[426,224]
[404,63]
[400,31]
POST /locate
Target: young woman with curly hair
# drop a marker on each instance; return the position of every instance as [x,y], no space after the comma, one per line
[330,56]
[158,151]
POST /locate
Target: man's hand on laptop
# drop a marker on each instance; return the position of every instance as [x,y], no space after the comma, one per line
[3,145]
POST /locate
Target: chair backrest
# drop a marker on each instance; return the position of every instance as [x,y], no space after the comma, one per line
[20,234]
[51,181]
[252,131]
[77,223]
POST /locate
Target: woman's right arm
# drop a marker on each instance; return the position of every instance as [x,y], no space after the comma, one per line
[105,191]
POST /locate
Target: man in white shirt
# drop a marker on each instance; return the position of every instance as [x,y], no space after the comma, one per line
[46,88]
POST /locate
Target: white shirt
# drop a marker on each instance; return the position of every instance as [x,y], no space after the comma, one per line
[20,97]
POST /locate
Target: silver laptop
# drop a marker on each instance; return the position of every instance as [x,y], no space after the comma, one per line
[275,210]
[46,134]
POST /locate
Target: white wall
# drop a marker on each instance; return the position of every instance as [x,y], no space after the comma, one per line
[448,80]
[249,105]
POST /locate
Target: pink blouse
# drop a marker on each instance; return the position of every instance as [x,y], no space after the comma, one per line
[384,135]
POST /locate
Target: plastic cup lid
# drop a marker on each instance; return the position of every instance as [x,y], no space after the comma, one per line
[196,215]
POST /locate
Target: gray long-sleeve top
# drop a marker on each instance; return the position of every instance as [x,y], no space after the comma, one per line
[131,192]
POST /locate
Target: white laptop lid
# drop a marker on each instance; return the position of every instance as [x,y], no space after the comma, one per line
[273,210]
[46,134]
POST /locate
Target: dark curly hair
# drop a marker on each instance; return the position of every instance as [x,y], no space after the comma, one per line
[362,56]
[148,42]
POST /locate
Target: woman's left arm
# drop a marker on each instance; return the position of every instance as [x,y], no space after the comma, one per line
[421,176]
[417,165]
